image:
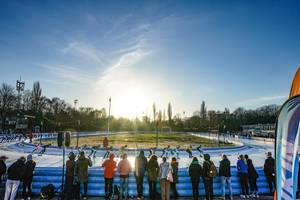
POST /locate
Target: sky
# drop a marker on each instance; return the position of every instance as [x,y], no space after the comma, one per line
[226,53]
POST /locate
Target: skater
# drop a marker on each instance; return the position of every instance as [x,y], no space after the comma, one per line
[209,172]
[175,151]
[28,177]
[195,172]
[3,167]
[124,169]
[122,150]
[174,167]
[15,174]
[105,143]
[225,175]
[81,172]
[44,149]
[252,177]
[109,166]
[242,169]
[165,151]
[36,148]
[269,169]
[189,150]
[151,152]
[199,148]
[164,170]
[93,152]
[108,150]
[70,172]
[140,169]
[152,170]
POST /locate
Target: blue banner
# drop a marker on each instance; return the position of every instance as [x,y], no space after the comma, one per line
[287,142]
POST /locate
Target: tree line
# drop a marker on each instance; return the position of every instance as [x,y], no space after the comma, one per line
[52,114]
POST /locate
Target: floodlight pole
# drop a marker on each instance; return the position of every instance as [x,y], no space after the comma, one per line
[108,119]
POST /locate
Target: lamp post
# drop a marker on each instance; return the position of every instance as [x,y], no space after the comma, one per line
[108,119]
[77,135]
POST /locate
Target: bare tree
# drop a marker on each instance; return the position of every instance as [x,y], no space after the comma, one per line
[170,113]
[7,100]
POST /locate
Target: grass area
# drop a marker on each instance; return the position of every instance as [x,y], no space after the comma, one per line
[144,140]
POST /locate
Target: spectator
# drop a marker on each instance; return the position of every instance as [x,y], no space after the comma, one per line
[81,172]
[28,176]
[140,169]
[174,166]
[124,169]
[225,175]
[15,175]
[164,170]
[153,170]
[209,171]
[195,171]
[70,172]
[252,176]
[269,169]
[2,167]
[109,166]
[242,169]
[105,143]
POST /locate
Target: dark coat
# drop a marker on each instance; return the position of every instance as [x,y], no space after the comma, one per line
[2,167]
[269,166]
[70,167]
[195,171]
[16,171]
[206,168]
[224,169]
[140,165]
[28,172]
[174,166]
[152,169]
[252,173]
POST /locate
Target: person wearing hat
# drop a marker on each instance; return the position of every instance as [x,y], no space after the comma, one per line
[15,174]
[28,176]
[109,166]
[81,172]
[269,169]
[2,167]
[208,177]
[70,168]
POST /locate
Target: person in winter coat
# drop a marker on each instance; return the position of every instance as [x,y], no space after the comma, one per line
[109,166]
[15,174]
[81,172]
[242,169]
[105,143]
[174,167]
[3,167]
[225,175]
[152,170]
[140,169]
[207,177]
[252,177]
[164,170]
[124,169]
[269,169]
[28,177]
[70,172]
[195,172]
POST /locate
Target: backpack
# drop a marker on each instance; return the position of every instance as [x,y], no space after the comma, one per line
[47,192]
[212,170]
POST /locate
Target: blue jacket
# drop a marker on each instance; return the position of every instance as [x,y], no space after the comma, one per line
[242,167]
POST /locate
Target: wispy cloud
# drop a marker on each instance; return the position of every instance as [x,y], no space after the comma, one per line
[261,100]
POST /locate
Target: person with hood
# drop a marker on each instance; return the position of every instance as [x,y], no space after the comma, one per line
[208,176]
[70,172]
[195,171]
[225,175]
[152,170]
[3,167]
[174,167]
[124,169]
[269,169]
[81,172]
[252,177]
[109,166]
[140,169]
[242,169]
[164,170]
[28,177]
[15,174]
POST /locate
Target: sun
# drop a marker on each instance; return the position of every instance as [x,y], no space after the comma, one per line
[131,103]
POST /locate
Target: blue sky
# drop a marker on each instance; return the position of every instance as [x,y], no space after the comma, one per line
[228,53]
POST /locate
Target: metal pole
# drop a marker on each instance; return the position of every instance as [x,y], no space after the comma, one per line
[108,116]
[77,135]
[63,167]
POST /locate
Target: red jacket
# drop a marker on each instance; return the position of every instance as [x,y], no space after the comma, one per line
[109,167]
